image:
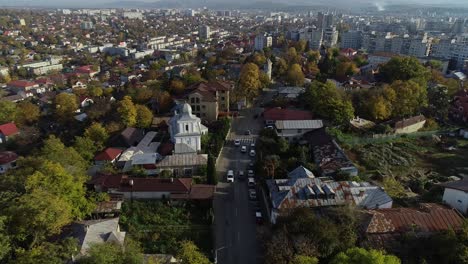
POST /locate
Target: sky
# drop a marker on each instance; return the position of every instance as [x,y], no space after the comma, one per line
[92,3]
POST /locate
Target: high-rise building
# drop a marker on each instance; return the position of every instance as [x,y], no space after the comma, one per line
[313,36]
[324,20]
[262,41]
[459,26]
[351,39]
[87,25]
[204,32]
[330,37]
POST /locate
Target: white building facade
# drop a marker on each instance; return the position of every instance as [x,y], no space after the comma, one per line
[186,128]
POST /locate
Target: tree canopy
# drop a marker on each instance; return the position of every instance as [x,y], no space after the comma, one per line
[362,256]
[249,80]
[127,111]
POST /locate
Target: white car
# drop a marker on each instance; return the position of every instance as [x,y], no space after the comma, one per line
[251,182]
[252,194]
[237,142]
[252,145]
[230,176]
[250,173]
[252,153]
[243,149]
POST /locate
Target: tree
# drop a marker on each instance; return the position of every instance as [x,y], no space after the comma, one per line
[144,116]
[8,113]
[97,133]
[27,113]
[404,69]
[127,111]
[95,91]
[300,46]
[177,87]
[299,259]
[407,98]
[295,75]
[38,215]
[325,100]
[379,108]
[362,256]
[212,178]
[113,253]
[65,106]
[393,187]
[438,102]
[280,67]
[46,252]
[5,244]
[249,81]
[163,101]
[85,147]
[190,254]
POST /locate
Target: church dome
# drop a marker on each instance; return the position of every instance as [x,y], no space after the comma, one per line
[186,109]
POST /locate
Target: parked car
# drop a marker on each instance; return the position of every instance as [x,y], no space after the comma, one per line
[252,194]
[252,145]
[230,176]
[258,217]
[251,182]
[241,175]
[269,127]
[251,164]
[247,132]
[252,153]
[250,173]
[243,149]
[237,142]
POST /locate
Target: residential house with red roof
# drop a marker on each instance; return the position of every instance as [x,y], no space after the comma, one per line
[7,161]
[151,188]
[7,131]
[271,115]
[87,70]
[108,155]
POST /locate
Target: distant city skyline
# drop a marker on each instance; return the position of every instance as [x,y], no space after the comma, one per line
[196,3]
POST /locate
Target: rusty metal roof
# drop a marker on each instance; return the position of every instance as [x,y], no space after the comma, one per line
[317,192]
[429,217]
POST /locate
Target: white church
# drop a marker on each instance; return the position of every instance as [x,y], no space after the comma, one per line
[186,130]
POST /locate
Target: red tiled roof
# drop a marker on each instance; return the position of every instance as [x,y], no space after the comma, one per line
[7,157]
[286,114]
[108,154]
[122,183]
[429,218]
[8,129]
[21,83]
[197,192]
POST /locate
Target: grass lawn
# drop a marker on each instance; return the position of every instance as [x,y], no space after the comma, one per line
[160,225]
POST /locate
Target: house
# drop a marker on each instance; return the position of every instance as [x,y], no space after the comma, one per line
[293,130]
[185,128]
[184,165]
[383,228]
[95,232]
[349,52]
[409,125]
[22,86]
[85,101]
[271,115]
[303,189]
[108,155]
[143,154]
[328,155]
[361,123]
[456,195]
[290,92]
[210,99]
[130,137]
[7,161]
[152,188]
[7,131]
[87,70]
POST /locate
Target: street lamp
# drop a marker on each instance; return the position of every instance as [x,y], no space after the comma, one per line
[216,254]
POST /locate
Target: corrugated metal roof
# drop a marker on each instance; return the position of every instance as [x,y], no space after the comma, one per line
[183,160]
[429,217]
[299,124]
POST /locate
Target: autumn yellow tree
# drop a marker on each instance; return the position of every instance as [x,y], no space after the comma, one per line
[295,75]
[249,81]
[127,111]
[65,106]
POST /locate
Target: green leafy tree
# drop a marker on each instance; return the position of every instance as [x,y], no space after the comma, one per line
[212,178]
[295,75]
[363,256]
[280,67]
[379,108]
[8,113]
[5,243]
[405,69]
[325,100]
[38,215]
[438,102]
[46,252]
[190,254]
[144,116]
[406,97]
[97,133]
[112,253]
[65,106]
[85,147]
[177,87]
[28,113]
[298,259]
[54,150]
[249,81]
[127,111]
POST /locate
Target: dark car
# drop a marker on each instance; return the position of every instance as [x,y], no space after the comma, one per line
[247,132]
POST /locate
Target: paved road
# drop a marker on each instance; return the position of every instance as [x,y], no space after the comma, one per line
[235,227]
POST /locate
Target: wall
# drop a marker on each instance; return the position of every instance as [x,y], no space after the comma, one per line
[456,199]
[146,195]
[291,134]
[410,129]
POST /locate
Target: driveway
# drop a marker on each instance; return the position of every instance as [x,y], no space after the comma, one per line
[235,227]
